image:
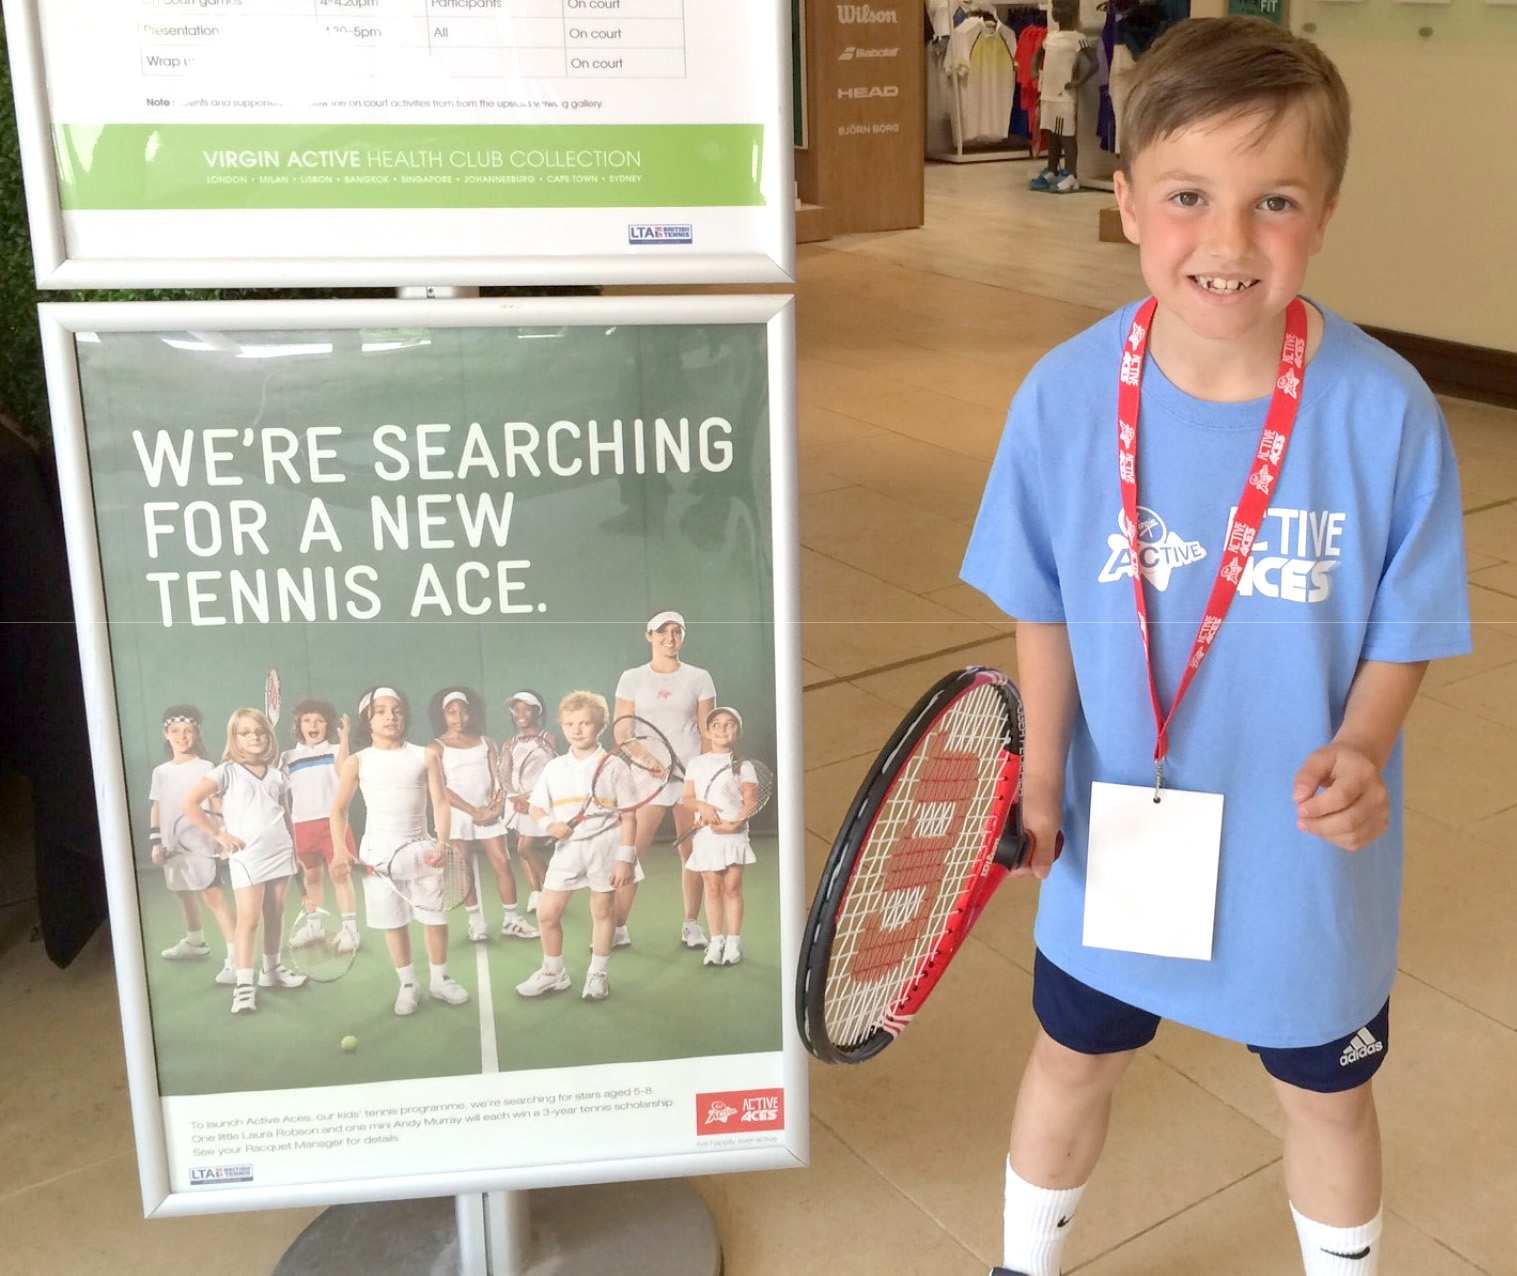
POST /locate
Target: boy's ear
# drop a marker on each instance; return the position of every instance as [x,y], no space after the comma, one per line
[1122,185]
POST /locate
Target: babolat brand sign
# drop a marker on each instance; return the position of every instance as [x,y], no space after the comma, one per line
[863,14]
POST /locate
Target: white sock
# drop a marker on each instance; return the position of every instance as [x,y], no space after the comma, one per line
[439,973]
[476,911]
[511,908]
[350,919]
[1036,1224]
[599,964]
[553,965]
[1339,1251]
[270,960]
[406,975]
[244,976]
[195,936]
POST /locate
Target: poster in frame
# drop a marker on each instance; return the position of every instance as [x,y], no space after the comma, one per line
[492,495]
[404,142]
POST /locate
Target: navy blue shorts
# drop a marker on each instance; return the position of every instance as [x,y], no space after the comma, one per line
[1083,1019]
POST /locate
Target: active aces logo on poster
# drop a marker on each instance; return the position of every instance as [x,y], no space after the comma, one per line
[739,1111]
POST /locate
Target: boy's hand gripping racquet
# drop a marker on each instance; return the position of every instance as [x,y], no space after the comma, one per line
[933,830]
[725,790]
[631,774]
[433,876]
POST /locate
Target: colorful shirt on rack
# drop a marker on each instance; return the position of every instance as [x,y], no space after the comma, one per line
[981,63]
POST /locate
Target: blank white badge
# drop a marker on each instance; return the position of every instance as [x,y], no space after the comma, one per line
[1151,877]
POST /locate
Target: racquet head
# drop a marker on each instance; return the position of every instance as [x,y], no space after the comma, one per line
[526,756]
[271,697]
[634,772]
[314,945]
[436,877]
[932,831]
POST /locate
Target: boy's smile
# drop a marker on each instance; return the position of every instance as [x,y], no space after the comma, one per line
[1226,219]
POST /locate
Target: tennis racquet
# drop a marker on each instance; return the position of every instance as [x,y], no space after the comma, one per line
[725,790]
[309,946]
[631,774]
[271,700]
[933,830]
[436,877]
[525,758]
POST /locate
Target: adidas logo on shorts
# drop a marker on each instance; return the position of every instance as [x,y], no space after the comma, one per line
[1361,1046]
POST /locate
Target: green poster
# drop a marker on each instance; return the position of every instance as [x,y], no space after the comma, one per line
[306,514]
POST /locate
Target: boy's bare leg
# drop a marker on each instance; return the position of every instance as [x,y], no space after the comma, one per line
[1332,1154]
[1062,1112]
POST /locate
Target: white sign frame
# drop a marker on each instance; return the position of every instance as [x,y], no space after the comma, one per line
[767,256]
[60,323]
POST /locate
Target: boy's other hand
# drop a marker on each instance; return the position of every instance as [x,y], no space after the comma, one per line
[1340,796]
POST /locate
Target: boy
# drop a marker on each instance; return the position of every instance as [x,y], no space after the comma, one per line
[313,765]
[398,780]
[1280,778]
[598,853]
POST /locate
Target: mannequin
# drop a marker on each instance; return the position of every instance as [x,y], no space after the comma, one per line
[1066,62]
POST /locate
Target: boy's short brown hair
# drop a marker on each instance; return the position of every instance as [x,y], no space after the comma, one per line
[1207,68]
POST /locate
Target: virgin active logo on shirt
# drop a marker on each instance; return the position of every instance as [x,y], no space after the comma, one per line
[1293,557]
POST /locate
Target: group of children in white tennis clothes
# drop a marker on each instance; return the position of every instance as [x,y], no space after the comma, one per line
[267,815]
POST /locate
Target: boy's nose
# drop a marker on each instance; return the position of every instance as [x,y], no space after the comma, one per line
[1229,237]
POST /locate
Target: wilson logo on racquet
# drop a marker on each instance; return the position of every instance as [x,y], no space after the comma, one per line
[939,796]
[739,1111]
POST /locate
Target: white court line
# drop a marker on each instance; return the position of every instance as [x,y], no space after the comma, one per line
[489,1052]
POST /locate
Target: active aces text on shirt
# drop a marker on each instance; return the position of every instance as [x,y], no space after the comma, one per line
[1293,557]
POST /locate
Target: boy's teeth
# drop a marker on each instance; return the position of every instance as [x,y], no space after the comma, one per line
[1222,285]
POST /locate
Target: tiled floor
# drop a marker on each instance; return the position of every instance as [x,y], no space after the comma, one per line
[910,346]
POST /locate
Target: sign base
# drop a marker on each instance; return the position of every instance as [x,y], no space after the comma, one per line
[652,1228]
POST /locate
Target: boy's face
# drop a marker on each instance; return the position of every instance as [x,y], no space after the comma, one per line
[581,728]
[1226,221]
[181,737]
[387,721]
[313,728]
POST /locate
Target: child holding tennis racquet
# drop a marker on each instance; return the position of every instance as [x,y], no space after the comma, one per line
[522,759]
[721,789]
[259,845]
[189,856]
[399,781]
[579,799]
[471,771]
[1234,864]
[313,764]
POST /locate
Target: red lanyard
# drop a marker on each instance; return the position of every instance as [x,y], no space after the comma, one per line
[1244,528]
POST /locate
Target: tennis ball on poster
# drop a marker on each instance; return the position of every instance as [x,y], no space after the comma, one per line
[349,1044]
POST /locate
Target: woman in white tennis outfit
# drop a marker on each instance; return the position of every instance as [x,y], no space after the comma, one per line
[259,844]
[675,697]
[721,791]
[470,769]
[398,781]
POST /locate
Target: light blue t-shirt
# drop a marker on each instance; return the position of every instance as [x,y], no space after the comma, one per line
[1360,557]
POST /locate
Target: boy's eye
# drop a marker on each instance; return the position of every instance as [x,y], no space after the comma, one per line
[1187,199]
[1278,203]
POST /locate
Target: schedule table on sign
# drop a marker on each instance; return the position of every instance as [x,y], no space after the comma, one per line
[467,39]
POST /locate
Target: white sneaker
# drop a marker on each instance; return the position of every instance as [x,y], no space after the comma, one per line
[187,950]
[515,926]
[541,981]
[715,951]
[597,986]
[1067,182]
[620,938]
[692,936]
[532,901]
[734,951]
[226,976]
[244,999]
[309,932]
[280,976]
[479,932]
[406,999]
[348,939]
[449,990]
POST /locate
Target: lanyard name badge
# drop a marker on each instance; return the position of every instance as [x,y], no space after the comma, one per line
[1151,876]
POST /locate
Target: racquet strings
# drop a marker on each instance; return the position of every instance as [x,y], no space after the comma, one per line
[860,988]
[635,771]
[431,886]
[725,791]
[528,760]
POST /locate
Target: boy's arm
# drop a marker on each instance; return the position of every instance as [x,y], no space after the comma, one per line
[1050,699]
[347,785]
[442,809]
[1339,791]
